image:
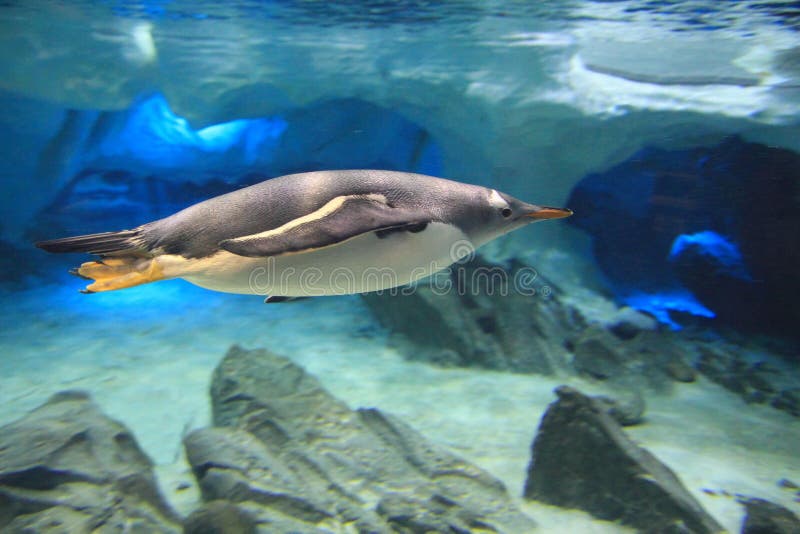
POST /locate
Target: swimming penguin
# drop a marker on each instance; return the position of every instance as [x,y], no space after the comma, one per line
[310,234]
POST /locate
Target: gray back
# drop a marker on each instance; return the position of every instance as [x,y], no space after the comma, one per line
[197,230]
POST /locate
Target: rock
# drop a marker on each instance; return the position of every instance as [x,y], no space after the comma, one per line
[482,314]
[788,400]
[594,356]
[233,466]
[712,268]
[220,517]
[680,370]
[297,459]
[507,317]
[650,359]
[629,322]
[764,517]
[754,381]
[582,459]
[67,467]
[627,410]
[136,193]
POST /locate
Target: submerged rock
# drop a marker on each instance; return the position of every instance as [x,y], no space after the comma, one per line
[599,356]
[67,467]
[507,317]
[753,379]
[220,517]
[629,323]
[297,459]
[764,517]
[788,400]
[481,314]
[627,410]
[582,459]
[652,359]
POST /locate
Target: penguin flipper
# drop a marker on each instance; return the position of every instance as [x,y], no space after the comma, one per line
[340,220]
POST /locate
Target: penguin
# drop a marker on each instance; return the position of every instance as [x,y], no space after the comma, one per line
[309,234]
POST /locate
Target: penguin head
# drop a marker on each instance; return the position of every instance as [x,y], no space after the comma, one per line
[501,213]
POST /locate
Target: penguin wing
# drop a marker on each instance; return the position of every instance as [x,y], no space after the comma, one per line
[341,219]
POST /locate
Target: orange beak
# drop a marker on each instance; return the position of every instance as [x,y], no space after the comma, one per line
[544,212]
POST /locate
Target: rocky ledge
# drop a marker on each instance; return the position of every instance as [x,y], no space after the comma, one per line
[292,458]
[507,317]
[67,467]
[581,458]
[284,455]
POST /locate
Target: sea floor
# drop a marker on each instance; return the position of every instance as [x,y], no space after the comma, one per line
[146,355]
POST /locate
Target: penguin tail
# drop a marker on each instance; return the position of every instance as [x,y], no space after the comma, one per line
[106,243]
[124,259]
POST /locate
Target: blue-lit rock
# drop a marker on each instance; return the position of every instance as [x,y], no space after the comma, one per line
[122,169]
[712,248]
[150,138]
[713,269]
[722,222]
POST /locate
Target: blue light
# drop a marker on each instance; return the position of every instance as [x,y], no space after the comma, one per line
[723,252]
[150,134]
[219,137]
[660,304]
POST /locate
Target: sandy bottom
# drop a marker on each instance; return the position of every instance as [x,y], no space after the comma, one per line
[146,355]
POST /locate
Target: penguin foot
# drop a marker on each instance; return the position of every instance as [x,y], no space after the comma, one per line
[118,273]
[75,272]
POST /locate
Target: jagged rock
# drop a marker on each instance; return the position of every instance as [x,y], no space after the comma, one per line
[67,467]
[680,371]
[297,459]
[650,358]
[582,459]
[507,317]
[627,410]
[712,267]
[764,517]
[598,357]
[232,465]
[788,400]
[503,317]
[220,517]
[755,381]
[628,323]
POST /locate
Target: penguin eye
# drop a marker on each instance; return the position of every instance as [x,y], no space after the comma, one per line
[506,212]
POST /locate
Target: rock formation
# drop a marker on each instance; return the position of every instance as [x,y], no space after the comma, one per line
[287,453]
[764,517]
[582,459]
[67,467]
[481,314]
[755,380]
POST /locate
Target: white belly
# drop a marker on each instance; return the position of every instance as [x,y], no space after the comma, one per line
[360,265]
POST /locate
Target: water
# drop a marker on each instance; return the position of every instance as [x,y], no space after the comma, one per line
[671,128]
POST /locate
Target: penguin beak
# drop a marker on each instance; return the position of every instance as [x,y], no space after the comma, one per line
[541,213]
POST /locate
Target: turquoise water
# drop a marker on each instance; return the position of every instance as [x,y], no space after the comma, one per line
[671,128]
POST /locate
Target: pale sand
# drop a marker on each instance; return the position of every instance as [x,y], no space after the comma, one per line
[146,355]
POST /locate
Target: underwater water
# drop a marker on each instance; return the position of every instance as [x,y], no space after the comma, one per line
[634,367]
